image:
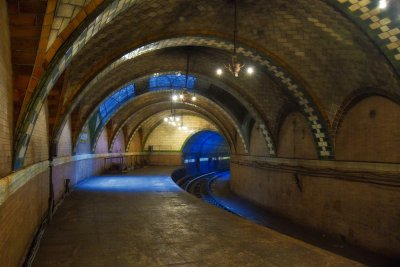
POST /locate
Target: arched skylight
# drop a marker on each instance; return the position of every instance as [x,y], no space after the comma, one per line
[116,100]
[171,81]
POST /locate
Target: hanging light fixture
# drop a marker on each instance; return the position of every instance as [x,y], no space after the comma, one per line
[235,66]
[185,95]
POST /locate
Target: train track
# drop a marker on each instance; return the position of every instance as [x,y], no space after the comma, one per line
[200,186]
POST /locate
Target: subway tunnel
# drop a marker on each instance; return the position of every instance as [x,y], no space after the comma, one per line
[204,152]
[199,133]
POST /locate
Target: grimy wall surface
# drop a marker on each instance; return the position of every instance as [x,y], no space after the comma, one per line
[351,197]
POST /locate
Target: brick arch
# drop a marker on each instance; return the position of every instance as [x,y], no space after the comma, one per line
[154,94]
[295,138]
[148,119]
[288,82]
[23,134]
[369,130]
[382,26]
[263,124]
[354,98]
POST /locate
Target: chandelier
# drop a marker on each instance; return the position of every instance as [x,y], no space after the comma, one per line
[235,66]
[185,95]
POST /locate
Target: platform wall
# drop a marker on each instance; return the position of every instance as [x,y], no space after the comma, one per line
[355,195]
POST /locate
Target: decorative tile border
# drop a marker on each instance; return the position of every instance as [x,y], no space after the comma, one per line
[382,26]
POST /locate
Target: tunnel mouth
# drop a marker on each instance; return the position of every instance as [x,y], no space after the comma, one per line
[204,152]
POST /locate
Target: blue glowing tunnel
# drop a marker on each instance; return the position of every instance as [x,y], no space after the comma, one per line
[205,151]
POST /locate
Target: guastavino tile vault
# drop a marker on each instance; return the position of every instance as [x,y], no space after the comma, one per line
[281,116]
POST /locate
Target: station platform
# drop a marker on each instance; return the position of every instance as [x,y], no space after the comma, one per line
[144,219]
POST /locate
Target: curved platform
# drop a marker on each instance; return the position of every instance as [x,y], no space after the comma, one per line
[145,219]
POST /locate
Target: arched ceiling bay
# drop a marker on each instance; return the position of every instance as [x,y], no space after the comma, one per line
[298,43]
[147,124]
[146,105]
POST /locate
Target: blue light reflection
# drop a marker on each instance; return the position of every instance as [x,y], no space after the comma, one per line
[127,183]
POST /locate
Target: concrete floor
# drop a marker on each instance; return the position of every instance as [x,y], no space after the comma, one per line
[144,219]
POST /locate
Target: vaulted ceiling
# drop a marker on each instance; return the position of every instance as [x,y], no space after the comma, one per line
[309,56]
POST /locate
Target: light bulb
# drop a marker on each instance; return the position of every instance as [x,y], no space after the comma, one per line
[219,72]
[174,97]
[165,119]
[250,70]
[181,96]
[194,98]
[382,4]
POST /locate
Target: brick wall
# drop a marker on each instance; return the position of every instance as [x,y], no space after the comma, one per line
[170,138]
[6,100]
[165,160]
[64,147]
[119,144]
[102,142]
[296,139]
[258,146]
[38,147]
[20,218]
[370,131]
[75,171]
[83,146]
[136,143]
[364,214]
[360,211]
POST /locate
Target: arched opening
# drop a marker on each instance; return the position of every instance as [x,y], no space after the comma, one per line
[205,151]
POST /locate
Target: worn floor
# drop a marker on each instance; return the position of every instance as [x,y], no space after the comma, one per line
[144,219]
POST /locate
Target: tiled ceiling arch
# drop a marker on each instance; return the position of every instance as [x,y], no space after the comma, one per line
[149,122]
[63,59]
[133,121]
[132,126]
[157,97]
[238,108]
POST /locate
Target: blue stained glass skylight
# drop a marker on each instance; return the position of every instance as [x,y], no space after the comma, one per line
[114,101]
[171,81]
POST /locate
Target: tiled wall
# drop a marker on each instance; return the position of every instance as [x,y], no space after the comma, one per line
[24,199]
[363,213]
[119,144]
[136,143]
[102,142]
[66,11]
[370,131]
[38,148]
[169,138]
[6,101]
[296,139]
[258,146]
[20,218]
[354,197]
[170,159]
[64,147]
[83,146]
[75,171]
